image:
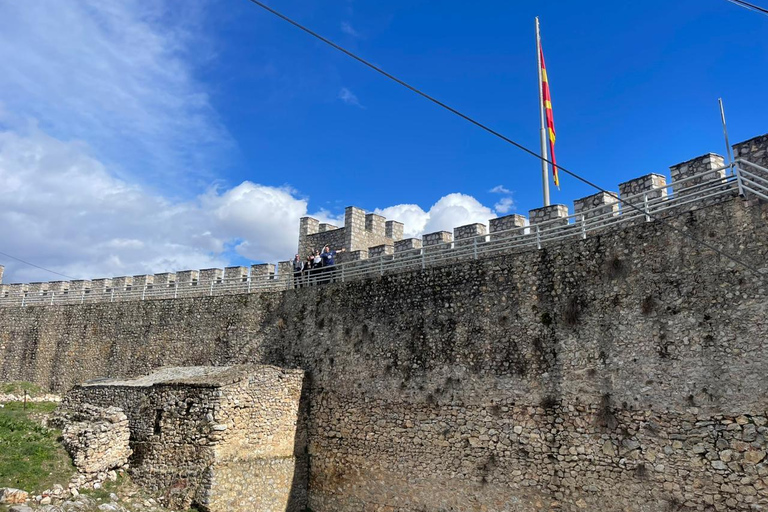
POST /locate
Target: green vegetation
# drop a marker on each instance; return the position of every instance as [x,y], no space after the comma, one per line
[31,458]
[18,388]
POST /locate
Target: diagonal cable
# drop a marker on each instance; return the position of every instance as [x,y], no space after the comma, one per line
[36,266]
[503,137]
[751,7]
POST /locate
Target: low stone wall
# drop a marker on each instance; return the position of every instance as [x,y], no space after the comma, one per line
[223,439]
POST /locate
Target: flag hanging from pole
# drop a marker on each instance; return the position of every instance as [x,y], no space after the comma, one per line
[547,99]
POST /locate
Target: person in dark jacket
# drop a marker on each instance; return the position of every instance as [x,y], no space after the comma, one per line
[298,269]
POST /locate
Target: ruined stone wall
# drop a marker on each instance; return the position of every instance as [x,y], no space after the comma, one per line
[621,372]
[234,445]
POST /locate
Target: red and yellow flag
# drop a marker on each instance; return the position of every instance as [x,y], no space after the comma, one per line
[547,98]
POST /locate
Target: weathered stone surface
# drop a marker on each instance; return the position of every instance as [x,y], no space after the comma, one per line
[221,438]
[95,437]
[10,496]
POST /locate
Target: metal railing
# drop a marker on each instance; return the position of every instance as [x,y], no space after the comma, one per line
[742,178]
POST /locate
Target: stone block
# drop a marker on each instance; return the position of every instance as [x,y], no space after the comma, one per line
[469,234]
[508,226]
[80,285]
[602,207]
[211,275]
[235,274]
[552,215]
[164,279]
[374,224]
[37,288]
[122,283]
[394,230]
[188,277]
[97,438]
[438,238]
[706,168]
[143,280]
[59,286]
[381,250]
[407,245]
[754,150]
[650,187]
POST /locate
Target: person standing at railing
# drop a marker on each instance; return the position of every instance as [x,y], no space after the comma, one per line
[298,268]
[329,260]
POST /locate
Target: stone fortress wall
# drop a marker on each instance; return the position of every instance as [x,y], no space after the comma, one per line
[623,371]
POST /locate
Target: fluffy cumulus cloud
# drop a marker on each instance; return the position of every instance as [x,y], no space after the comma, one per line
[447,213]
[63,209]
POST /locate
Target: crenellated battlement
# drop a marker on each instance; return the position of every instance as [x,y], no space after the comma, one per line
[375,245]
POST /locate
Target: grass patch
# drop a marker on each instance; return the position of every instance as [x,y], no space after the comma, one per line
[18,388]
[31,457]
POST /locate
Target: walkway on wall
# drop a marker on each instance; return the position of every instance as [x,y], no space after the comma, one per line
[660,200]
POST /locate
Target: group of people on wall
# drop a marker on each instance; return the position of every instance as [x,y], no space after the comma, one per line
[317,268]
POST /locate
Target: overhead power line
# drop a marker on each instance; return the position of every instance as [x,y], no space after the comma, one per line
[751,7]
[36,266]
[503,137]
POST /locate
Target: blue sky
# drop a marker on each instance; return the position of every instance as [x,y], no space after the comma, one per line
[138,137]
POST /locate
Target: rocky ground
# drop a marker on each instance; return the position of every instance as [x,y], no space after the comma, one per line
[118,496]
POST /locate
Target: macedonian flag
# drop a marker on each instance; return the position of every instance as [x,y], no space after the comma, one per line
[550,118]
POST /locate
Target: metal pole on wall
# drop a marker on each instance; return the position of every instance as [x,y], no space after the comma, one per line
[544,165]
[725,133]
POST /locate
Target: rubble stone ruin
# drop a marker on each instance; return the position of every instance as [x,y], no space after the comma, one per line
[217,438]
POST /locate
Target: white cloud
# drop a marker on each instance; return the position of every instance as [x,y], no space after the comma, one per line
[119,74]
[349,97]
[500,189]
[63,210]
[450,211]
[349,29]
[505,205]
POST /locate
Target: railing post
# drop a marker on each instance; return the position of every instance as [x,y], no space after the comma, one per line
[474,247]
[144,292]
[538,237]
[249,283]
[175,289]
[210,293]
[23,300]
[645,207]
[423,263]
[381,265]
[112,295]
[53,294]
[342,272]
[739,182]
[82,296]
[583,227]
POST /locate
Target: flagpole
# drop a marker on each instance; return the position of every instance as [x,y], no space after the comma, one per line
[544,165]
